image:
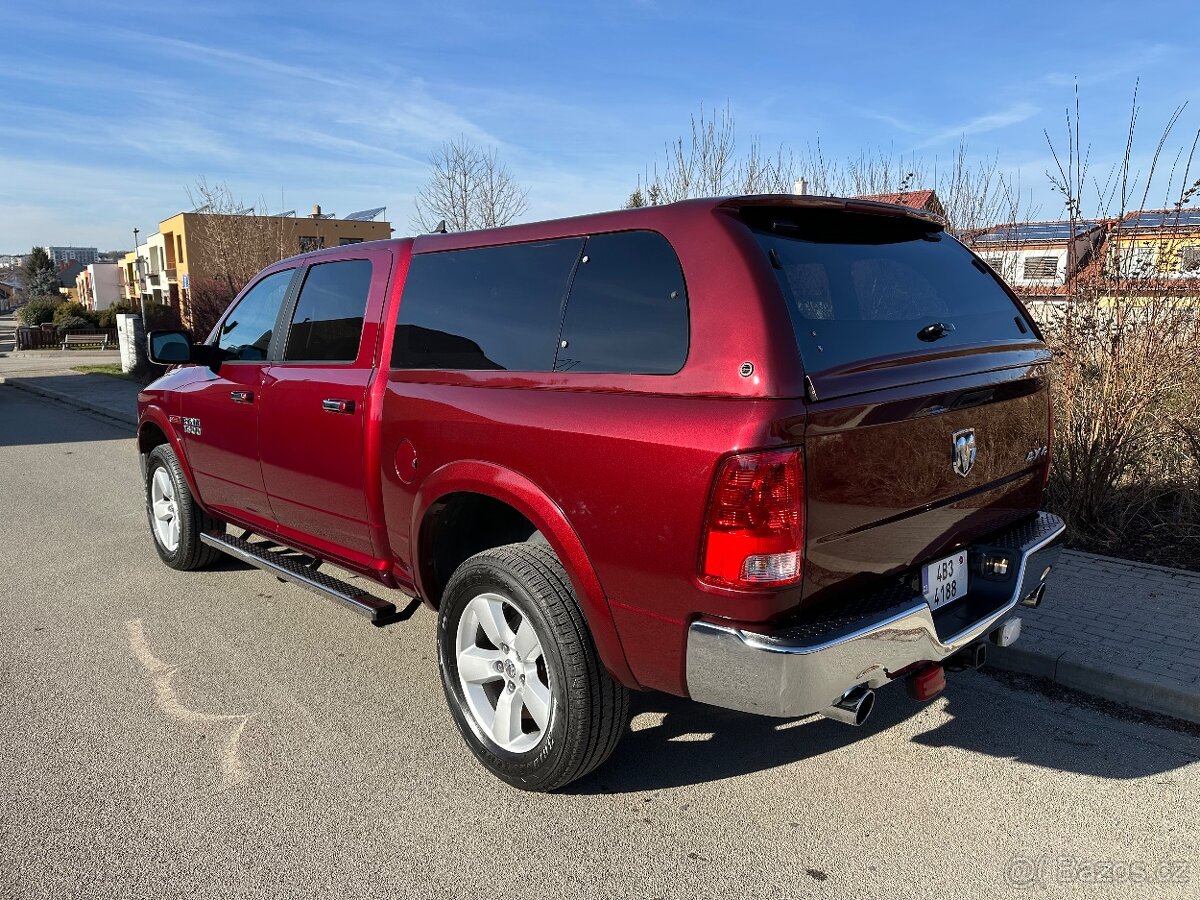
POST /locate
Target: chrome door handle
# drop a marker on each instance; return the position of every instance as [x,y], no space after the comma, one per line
[338,406]
[242,396]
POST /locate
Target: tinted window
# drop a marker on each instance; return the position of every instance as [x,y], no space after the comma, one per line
[861,286]
[246,331]
[628,309]
[490,308]
[328,321]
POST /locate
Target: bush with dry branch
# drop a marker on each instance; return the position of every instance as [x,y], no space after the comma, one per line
[1126,472]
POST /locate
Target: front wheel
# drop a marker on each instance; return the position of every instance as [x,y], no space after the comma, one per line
[520,670]
[176,520]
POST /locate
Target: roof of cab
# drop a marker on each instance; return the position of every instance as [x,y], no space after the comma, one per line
[651,216]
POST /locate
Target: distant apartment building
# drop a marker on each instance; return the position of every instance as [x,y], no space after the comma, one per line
[98,286]
[9,261]
[60,256]
[194,247]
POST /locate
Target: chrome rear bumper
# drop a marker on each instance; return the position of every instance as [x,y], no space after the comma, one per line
[804,670]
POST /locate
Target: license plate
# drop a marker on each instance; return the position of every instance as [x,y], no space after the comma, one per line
[944,581]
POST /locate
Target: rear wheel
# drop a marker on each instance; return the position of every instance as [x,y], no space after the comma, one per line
[520,670]
[176,520]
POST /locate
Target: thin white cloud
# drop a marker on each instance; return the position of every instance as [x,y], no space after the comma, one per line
[993,121]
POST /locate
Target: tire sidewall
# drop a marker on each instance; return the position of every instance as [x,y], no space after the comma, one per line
[532,768]
[159,459]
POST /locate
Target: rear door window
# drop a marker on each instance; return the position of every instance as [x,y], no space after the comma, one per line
[328,322]
[485,308]
[245,333]
[861,286]
[628,308]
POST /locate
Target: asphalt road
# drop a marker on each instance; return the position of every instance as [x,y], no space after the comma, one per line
[221,734]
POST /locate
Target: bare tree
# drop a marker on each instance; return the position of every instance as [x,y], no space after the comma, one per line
[468,188]
[229,242]
[705,163]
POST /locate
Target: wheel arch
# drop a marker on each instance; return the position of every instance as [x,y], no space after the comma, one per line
[154,429]
[496,484]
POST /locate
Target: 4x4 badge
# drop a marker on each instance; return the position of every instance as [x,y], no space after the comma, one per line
[964,451]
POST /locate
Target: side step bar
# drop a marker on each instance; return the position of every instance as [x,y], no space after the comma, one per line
[380,612]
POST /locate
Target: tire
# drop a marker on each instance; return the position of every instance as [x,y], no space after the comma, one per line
[564,714]
[167,487]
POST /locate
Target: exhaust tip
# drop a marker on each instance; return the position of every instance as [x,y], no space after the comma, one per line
[853,708]
[1034,600]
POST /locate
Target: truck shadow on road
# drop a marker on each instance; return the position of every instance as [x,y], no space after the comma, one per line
[676,742]
[29,419]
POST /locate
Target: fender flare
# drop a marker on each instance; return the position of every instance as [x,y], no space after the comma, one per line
[154,415]
[507,486]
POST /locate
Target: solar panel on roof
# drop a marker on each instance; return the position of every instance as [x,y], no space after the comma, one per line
[365,215]
[1035,233]
[1189,218]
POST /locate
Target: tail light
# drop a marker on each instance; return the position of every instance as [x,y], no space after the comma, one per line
[754,531]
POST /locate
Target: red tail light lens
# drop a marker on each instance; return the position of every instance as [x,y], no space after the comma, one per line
[754,533]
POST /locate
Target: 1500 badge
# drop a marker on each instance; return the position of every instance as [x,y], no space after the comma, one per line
[189,424]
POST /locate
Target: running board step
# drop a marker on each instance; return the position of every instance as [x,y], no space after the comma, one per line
[381,612]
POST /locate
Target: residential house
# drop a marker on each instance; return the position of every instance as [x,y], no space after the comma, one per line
[1040,259]
[1162,243]
[67,275]
[131,290]
[99,286]
[190,247]
[925,199]
[151,265]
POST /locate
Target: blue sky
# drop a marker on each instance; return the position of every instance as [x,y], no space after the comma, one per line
[109,111]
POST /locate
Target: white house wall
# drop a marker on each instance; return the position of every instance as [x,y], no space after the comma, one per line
[106,284]
[1012,264]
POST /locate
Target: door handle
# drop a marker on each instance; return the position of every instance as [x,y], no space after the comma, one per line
[338,406]
[242,396]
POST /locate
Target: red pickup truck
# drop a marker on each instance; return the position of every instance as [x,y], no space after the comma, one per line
[772,453]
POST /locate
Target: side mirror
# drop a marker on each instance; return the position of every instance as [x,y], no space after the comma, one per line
[169,348]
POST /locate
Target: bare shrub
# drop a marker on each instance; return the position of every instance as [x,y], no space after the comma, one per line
[1126,470]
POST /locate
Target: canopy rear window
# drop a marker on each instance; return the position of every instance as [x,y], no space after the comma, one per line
[860,286]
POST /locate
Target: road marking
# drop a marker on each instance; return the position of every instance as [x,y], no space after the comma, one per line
[233,771]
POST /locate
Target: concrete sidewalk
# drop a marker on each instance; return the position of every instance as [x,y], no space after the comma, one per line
[106,395]
[1123,631]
